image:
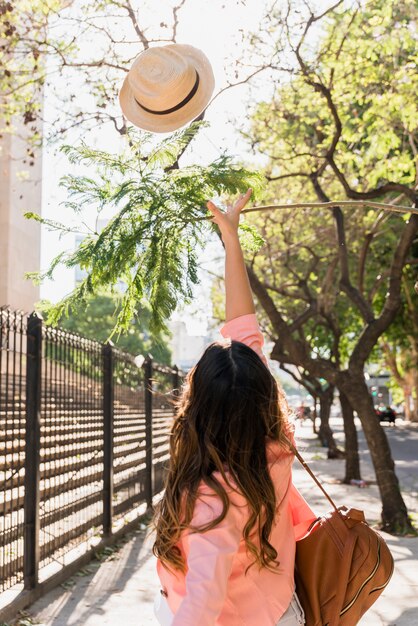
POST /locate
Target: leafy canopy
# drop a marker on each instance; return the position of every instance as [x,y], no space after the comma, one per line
[151,243]
[366,58]
[344,123]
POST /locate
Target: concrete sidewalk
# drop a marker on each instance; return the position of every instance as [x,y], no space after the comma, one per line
[120,591]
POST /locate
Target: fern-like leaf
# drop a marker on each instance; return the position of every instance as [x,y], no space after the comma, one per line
[158,223]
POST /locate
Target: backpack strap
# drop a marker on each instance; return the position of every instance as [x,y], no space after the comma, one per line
[311,474]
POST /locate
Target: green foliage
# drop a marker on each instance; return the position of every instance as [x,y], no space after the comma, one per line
[24,36]
[96,320]
[159,219]
[367,58]
[360,72]
[250,238]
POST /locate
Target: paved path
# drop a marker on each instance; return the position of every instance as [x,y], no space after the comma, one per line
[120,591]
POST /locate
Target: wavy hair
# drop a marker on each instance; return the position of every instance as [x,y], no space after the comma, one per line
[229,406]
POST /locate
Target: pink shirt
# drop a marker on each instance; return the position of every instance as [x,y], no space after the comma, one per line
[215,590]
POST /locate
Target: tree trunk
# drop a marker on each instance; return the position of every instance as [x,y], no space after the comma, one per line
[414,416]
[394,512]
[325,433]
[315,415]
[411,402]
[352,459]
[407,404]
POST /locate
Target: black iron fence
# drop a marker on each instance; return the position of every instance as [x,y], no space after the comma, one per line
[83,442]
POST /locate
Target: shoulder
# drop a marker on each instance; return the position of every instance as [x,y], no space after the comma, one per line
[209,505]
[276,452]
[245,329]
[241,325]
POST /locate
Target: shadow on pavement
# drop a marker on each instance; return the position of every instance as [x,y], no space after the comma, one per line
[87,601]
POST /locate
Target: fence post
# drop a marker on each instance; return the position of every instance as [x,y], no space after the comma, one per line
[175,381]
[32,451]
[107,352]
[148,430]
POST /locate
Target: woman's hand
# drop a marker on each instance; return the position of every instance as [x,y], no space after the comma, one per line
[228,220]
[238,296]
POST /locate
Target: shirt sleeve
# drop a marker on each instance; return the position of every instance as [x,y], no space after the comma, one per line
[302,514]
[209,562]
[245,328]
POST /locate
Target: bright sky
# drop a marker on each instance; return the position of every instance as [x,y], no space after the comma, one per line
[213,27]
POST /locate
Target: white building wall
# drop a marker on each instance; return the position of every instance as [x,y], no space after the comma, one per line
[186,349]
[20,191]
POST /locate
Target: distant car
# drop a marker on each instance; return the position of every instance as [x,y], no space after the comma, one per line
[386,414]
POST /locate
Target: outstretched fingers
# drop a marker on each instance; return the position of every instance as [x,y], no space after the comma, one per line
[214,210]
[242,200]
[228,221]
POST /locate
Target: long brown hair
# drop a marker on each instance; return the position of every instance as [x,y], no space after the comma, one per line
[230,404]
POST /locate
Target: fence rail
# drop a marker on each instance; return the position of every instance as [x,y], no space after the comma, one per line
[83,441]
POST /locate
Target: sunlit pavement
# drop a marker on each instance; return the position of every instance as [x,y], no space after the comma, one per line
[121,591]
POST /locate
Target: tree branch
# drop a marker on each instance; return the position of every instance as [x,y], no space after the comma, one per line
[326,92]
[283,176]
[283,292]
[240,82]
[373,330]
[371,193]
[334,203]
[345,281]
[303,317]
[390,358]
[368,238]
[308,382]
[176,9]
[319,86]
[277,321]
[128,6]
[287,348]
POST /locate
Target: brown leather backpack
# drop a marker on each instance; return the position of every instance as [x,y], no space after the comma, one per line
[342,566]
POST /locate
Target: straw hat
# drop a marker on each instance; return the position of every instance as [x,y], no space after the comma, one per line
[167,87]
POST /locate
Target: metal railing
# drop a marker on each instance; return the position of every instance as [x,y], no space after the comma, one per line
[83,441]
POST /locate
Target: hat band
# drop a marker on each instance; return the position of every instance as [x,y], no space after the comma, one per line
[178,106]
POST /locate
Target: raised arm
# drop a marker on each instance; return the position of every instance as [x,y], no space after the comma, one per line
[241,323]
[238,296]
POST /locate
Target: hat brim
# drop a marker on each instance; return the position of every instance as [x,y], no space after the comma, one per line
[172,121]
